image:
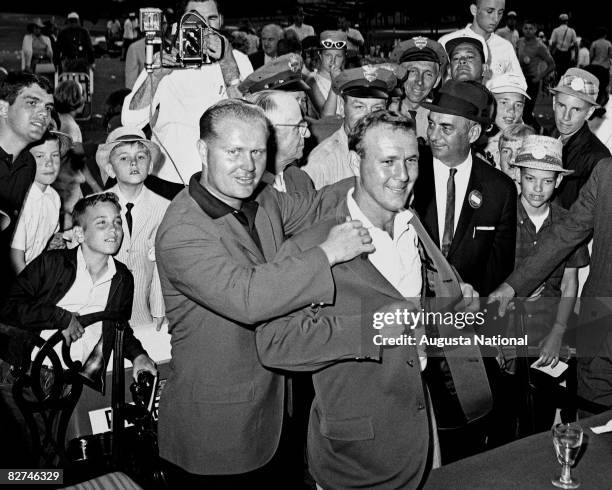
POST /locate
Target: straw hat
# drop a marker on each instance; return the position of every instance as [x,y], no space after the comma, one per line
[125,134]
[541,153]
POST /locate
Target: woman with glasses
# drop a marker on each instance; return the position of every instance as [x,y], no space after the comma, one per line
[332,55]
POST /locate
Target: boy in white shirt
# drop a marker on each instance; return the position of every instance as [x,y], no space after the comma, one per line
[39,217]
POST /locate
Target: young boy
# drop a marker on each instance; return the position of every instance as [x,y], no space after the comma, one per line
[60,285]
[510,92]
[39,218]
[128,157]
[548,311]
[510,141]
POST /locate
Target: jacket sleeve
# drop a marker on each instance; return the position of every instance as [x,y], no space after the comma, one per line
[23,306]
[501,258]
[199,266]
[308,339]
[561,238]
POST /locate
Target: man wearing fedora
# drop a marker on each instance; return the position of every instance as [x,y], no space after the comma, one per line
[548,315]
[574,101]
[425,62]
[128,157]
[364,90]
[469,210]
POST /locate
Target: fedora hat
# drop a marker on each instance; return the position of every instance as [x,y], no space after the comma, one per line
[541,153]
[470,100]
[125,134]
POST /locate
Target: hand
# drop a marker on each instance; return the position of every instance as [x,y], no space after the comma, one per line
[214,44]
[143,363]
[504,294]
[168,60]
[73,332]
[471,300]
[537,293]
[159,322]
[550,347]
[346,241]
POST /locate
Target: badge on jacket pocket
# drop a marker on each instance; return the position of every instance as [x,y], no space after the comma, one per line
[475,199]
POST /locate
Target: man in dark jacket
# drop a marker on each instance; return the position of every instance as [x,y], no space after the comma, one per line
[74,44]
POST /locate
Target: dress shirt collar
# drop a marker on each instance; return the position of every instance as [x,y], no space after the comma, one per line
[523,216]
[215,208]
[464,167]
[123,200]
[82,268]
[401,222]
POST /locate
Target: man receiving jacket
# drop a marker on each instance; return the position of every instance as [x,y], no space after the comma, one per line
[369,424]
[221,412]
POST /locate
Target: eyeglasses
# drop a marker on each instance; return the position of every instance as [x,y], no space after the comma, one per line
[302,127]
[330,43]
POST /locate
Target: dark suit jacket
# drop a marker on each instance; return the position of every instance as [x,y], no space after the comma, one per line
[483,245]
[368,423]
[32,299]
[221,411]
[257,59]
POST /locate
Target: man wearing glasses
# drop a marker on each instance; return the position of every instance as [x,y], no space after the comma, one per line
[289,131]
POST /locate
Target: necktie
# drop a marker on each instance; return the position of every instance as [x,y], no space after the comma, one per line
[449,216]
[128,216]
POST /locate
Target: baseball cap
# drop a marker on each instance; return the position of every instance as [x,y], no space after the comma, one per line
[367,82]
[580,84]
[73,15]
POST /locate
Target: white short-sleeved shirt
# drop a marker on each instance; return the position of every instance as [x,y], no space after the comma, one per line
[182,97]
[38,221]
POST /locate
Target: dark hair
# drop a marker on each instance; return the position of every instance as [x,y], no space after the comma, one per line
[181,5]
[16,81]
[395,121]
[83,204]
[229,108]
[48,136]
[601,32]
[68,96]
[531,22]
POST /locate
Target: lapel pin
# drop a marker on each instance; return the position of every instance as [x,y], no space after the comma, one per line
[475,199]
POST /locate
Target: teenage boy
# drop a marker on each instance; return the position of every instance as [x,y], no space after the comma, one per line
[39,218]
[128,157]
[541,172]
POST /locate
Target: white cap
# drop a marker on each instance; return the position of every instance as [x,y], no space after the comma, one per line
[508,83]
[73,15]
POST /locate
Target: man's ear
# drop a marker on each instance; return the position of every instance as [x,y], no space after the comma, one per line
[79,234]
[474,133]
[474,8]
[355,162]
[110,171]
[4,105]
[202,150]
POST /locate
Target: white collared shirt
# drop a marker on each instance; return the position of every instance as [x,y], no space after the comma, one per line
[38,221]
[83,297]
[462,178]
[397,258]
[136,210]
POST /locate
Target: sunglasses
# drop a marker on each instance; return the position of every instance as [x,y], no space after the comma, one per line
[330,44]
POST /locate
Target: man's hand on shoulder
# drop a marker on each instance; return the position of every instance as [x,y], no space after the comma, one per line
[346,241]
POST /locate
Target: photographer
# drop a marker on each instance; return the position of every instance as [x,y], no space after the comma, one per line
[172,100]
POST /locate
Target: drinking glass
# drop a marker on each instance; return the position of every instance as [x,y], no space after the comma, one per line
[567,439]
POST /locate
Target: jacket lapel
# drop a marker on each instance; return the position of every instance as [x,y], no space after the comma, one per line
[362,268]
[467,211]
[426,204]
[233,231]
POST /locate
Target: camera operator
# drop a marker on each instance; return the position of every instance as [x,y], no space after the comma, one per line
[172,100]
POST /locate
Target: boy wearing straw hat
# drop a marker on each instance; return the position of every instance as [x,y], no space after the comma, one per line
[541,172]
[129,157]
